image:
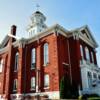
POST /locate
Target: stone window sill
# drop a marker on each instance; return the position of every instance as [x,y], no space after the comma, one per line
[33,89]
[46,88]
[46,64]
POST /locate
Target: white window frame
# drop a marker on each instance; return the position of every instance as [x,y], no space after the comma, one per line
[46,54]
[33,58]
[46,80]
[89,76]
[15,85]
[1,65]
[87,54]
[16,62]
[81,50]
[33,83]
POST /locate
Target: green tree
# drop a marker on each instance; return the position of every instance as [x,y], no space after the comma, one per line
[65,88]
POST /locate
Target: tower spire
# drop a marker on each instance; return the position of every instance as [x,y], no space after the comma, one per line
[37,7]
[37,22]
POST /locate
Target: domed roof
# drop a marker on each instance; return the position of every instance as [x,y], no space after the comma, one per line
[38,12]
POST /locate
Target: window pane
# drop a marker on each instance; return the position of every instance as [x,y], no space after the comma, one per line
[32,82]
[46,54]
[1,65]
[94,76]
[99,78]
[15,85]
[33,58]
[16,61]
[89,79]
[87,54]
[81,49]
[46,80]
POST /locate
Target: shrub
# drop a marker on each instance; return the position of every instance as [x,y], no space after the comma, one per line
[65,88]
[68,90]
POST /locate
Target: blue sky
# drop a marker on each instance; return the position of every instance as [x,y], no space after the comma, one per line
[68,13]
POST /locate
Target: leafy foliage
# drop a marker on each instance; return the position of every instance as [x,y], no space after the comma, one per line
[67,90]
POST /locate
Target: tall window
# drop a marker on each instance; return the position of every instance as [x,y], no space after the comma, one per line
[46,54]
[46,80]
[92,57]
[16,61]
[99,78]
[94,79]
[33,83]
[89,79]
[81,50]
[1,65]
[95,76]
[87,54]
[33,58]
[15,85]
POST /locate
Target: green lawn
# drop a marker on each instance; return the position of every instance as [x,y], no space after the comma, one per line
[94,98]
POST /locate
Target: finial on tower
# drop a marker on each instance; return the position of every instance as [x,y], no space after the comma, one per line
[37,22]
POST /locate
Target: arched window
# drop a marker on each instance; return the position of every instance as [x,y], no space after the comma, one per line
[15,85]
[87,54]
[16,61]
[46,54]
[81,50]
[33,83]
[89,75]
[33,58]
[1,65]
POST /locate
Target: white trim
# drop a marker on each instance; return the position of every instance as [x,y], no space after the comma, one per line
[18,96]
[66,64]
[51,94]
[46,87]
[1,64]
[13,36]
[3,50]
[64,32]
[87,41]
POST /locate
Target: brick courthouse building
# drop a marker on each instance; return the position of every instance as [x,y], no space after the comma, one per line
[35,65]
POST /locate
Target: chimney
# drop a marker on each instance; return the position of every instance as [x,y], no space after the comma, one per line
[13,30]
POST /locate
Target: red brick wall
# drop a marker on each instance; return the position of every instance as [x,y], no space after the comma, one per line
[58,53]
[74,46]
[2,74]
[90,50]
[51,68]
[63,57]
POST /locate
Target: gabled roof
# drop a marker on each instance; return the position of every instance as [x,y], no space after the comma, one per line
[88,35]
[85,32]
[4,42]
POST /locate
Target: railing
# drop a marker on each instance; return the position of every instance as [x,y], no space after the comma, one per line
[85,63]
